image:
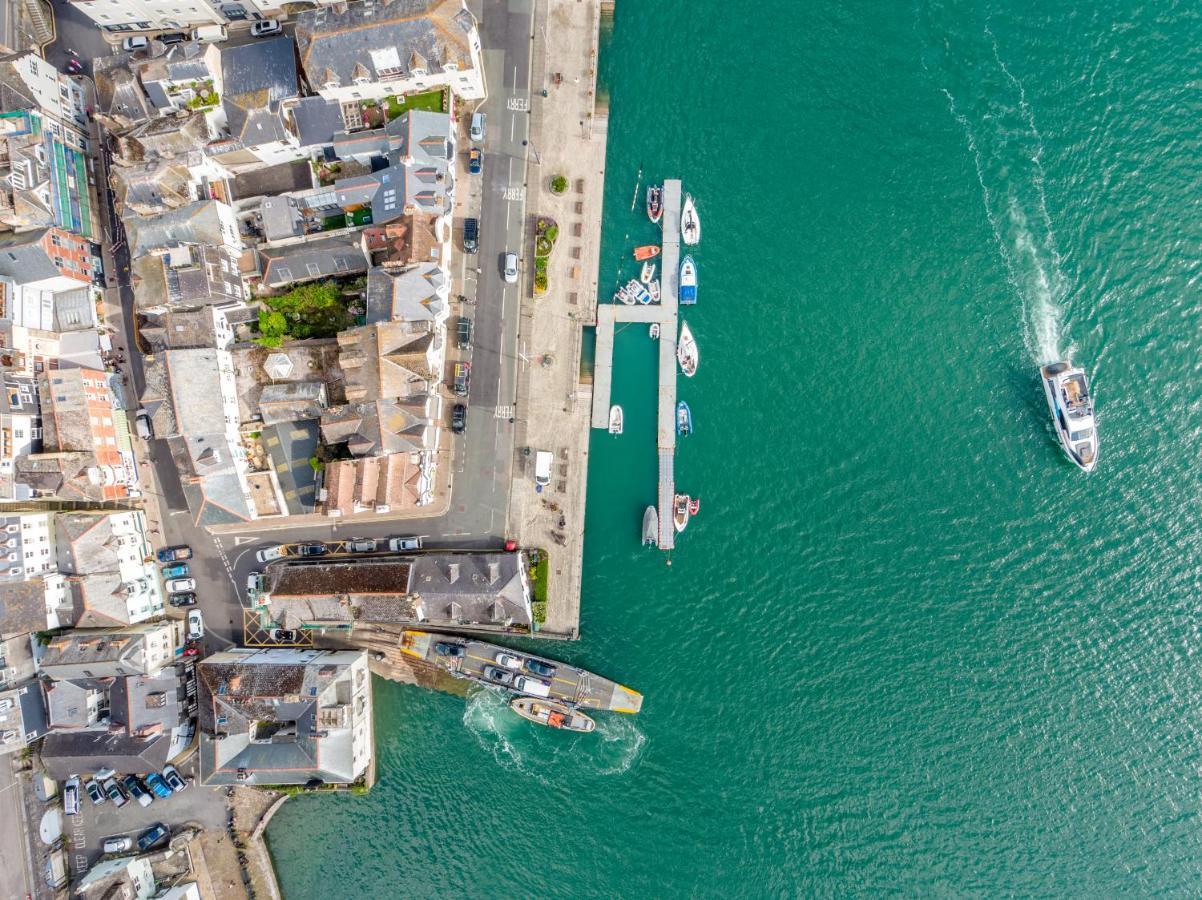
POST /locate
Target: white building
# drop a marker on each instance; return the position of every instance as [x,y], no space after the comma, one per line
[108,565]
[26,547]
[148,15]
[59,97]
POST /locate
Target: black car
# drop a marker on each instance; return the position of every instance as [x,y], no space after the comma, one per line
[459,418]
[498,676]
[540,668]
[185,599]
[152,835]
[314,549]
[442,648]
[471,235]
[172,37]
[464,333]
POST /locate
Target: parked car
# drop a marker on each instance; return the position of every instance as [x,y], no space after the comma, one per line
[196,625]
[117,844]
[265,27]
[282,635]
[172,37]
[446,648]
[95,794]
[478,122]
[361,545]
[71,796]
[533,686]
[174,554]
[186,599]
[130,44]
[459,418]
[267,554]
[116,794]
[141,420]
[178,585]
[511,268]
[540,668]
[463,378]
[155,782]
[463,333]
[508,661]
[403,545]
[190,652]
[209,34]
[475,161]
[179,570]
[498,676]
[152,836]
[471,235]
[172,777]
[137,790]
[314,549]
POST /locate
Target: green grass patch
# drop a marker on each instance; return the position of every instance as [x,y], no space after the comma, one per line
[333,222]
[431,101]
[538,578]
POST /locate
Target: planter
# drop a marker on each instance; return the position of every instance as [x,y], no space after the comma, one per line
[559,184]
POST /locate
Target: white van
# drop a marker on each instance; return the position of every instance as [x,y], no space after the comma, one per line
[542,467]
[524,684]
[209,34]
[142,424]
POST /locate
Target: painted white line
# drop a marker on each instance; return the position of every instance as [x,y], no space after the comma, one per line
[513,127]
[508,208]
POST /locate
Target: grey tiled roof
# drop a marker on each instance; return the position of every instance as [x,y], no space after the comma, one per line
[67,753]
[257,76]
[196,223]
[312,259]
[23,258]
[23,607]
[317,120]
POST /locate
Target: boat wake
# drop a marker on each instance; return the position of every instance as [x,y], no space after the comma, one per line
[990,104]
[537,752]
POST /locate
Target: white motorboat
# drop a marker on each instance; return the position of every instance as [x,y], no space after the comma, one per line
[638,291]
[680,512]
[686,350]
[1067,390]
[625,295]
[655,331]
[615,419]
[650,526]
[688,281]
[648,272]
[653,290]
[690,223]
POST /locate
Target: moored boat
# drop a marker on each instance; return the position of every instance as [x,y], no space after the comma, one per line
[552,714]
[653,290]
[655,202]
[1069,400]
[615,419]
[690,222]
[680,512]
[650,526]
[688,281]
[625,295]
[655,331]
[694,506]
[684,419]
[636,290]
[647,251]
[686,350]
[648,272]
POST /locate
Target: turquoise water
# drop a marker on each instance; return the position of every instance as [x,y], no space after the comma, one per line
[906,647]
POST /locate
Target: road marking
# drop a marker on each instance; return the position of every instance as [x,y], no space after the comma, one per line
[239,540]
[514,195]
[513,127]
[518,104]
[504,412]
[507,207]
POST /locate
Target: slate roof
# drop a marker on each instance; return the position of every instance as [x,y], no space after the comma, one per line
[23,607]
[257,76]
[69,752]
[282,218]
[377,428]
[354,485]
[312,259]
[179,329]
[386,360]
[414,294]
[292,401]
[24,258]
[317,120]
[196,223]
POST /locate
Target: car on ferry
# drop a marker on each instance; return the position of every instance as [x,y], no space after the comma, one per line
[498,676]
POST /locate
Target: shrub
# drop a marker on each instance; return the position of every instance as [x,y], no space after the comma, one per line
[559,184]
[552,233]
[540,612]
[540,281]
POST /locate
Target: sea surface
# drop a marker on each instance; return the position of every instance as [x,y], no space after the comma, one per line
[906,647]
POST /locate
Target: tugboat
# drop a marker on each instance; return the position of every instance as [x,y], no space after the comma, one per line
[690,223]
[680,512]
[650,527]
[684,419]
[688,281]
[686,350]
[1067,390]
[647,251]
[655,202]
[615,419]
[552,714]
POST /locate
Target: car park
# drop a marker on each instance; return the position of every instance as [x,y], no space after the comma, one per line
[95,794]
[116,794]
[174,780]
[130,44]
[463,333]
[463,378]
[401,545]
[511,268]
[117,844]
[540,668]
[459,418]
[314,549]
[282,636]
[267,554]
[498,676]
[188,598]
[152,836]
[508,661]
[137,790]
[196,625]
[475,161]
[471,235]
[71,796]
[361,545]
[179,585]
[446,648]
[174,554]
[265,27]
[479,120]
[155,782]
[179,570]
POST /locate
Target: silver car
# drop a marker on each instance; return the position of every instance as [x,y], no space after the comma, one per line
[511,268]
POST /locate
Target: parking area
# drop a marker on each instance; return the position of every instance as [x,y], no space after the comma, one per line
[255,633]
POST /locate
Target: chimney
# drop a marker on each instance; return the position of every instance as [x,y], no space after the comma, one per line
[494,572]
[453,572]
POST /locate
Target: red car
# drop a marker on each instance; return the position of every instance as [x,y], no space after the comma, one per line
[191,651]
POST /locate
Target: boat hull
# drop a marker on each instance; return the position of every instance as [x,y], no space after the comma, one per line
[548,713]
[649,251]
[1074,425]
[650,526]
[655,203]
[684,419]
[680,512]
[615,419]
[690,222]
[686,351]
[688,281]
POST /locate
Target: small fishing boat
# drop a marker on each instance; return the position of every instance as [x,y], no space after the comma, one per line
[1067,390]
[615,419]
[624,294]
[684,419]
[686,350]
[552,714]
[648,272]
[647,251]
[653,290]
[688,281]
[638,292]
[690,223]
[680,512]
[650,527]
[655,202]
[655,331]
